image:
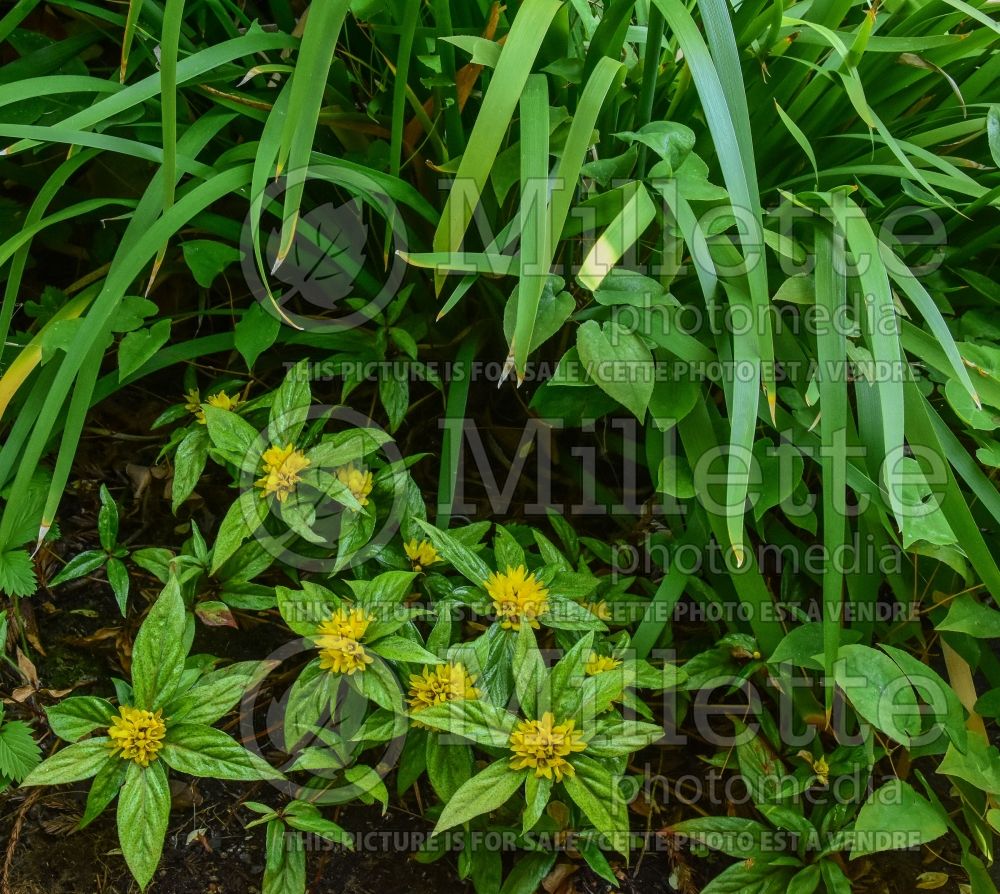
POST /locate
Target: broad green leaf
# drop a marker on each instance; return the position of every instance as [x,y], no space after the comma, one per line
[189,463]
[81,564]
[73,718]
[244,516]
[206,259]
[969,616]
[528,873]
[472,719]
[143,814]
[879,691]
[104,789]
[751,877]
[200,750]
[619,363]
[305,609]
[733,835]
[484,792]
[893,812]
[465,561]
[670,140]
[159,650]
[399,648]
[947,711]
[285,863]
[802,644]
[979,765]
[290,407]
[216,693]
[449,766]
[241,444]
[530,678]
[138,347]
[254,333]
[595,792]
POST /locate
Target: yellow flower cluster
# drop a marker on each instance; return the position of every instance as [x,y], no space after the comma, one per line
[599,610]
[598,664]
[420,554]
[192,402]
[220,399]
[282,466]
[517,597]
[543,745]
[358,481]
[338,639]
[822,770]
[137,734]
[439,684]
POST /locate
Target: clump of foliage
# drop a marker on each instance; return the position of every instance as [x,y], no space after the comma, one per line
[18,751]
[164,718]
[751,245]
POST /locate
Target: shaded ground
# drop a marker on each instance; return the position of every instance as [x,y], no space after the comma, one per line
[208,851]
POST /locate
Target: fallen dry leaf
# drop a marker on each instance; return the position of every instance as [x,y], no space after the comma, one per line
[558,881]
[63,824]
[184,795]
[142,477]
[27,668]
[23,693]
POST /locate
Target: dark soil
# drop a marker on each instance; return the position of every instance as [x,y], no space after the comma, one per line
[209,851]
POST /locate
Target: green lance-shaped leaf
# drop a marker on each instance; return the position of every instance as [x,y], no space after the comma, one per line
[200,750]
[143,813]
[486,791]
[719,83]
[523,42]
[894,817]
[159,649]
[534,214]
[319,41]
[79,761]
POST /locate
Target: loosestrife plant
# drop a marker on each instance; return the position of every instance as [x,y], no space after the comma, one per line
[456,678]
[166,722]
[213,595]
[303,487]
[285,846]
[360,638]
[564,734]
[550,595]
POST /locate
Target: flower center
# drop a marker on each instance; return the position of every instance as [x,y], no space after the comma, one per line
[282,466]
[517,597]
[543,745]
[137,735]
[358,481]
[338,640]
[420,554]
[598,664]
[440,684]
